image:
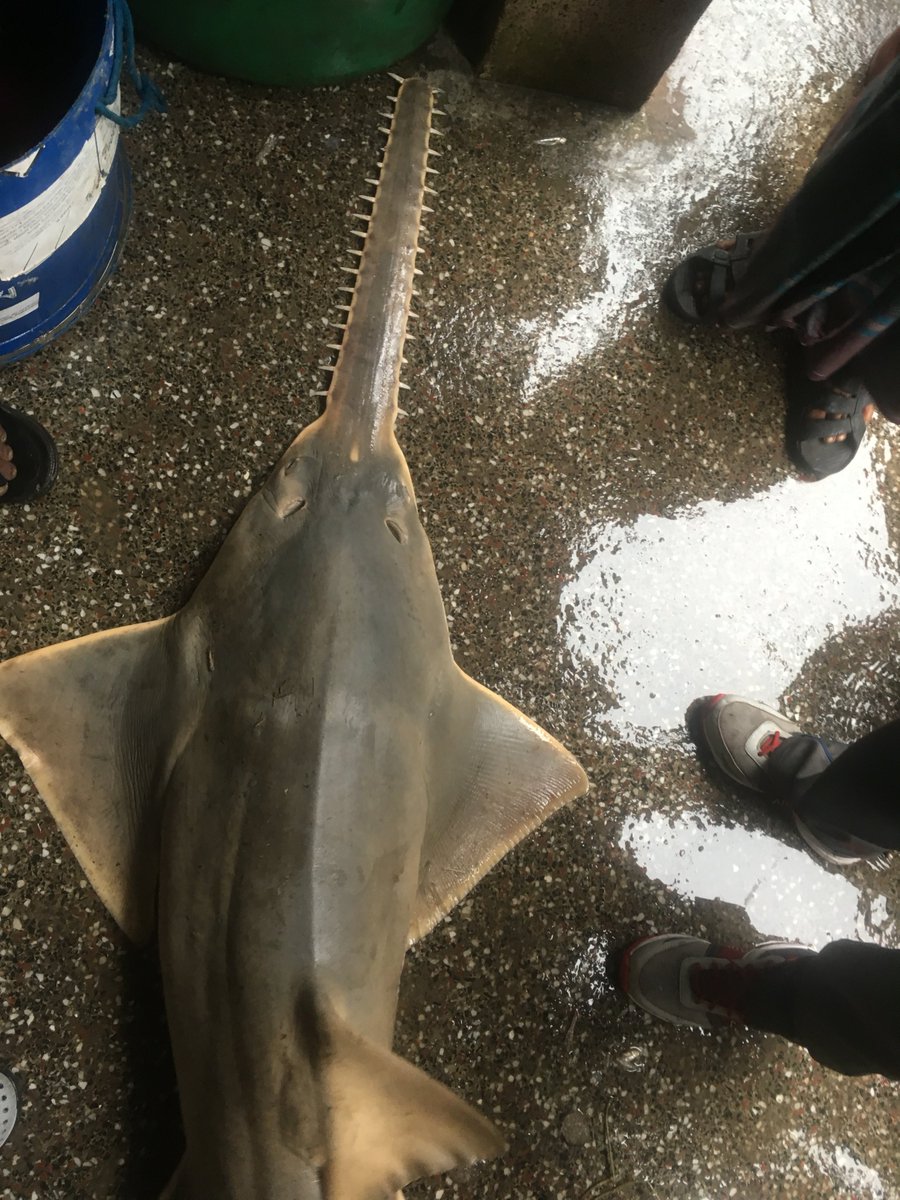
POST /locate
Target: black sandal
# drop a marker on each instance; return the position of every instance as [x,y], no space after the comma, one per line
[843,398]
[720,269]
[34,455]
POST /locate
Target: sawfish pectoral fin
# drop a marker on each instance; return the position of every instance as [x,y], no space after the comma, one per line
[85,718]
[391,1123]
[494,776]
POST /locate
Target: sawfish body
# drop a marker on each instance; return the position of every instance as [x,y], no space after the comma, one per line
[290,779]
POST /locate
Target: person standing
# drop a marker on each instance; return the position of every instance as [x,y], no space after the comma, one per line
[843,1003]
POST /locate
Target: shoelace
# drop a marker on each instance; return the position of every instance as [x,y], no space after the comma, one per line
[723,985]
[769,743]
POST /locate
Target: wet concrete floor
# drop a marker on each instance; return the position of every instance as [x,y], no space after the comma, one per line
[616,531]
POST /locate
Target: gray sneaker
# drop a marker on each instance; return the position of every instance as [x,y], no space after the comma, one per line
[688,981]
[741,735]
[9,1107]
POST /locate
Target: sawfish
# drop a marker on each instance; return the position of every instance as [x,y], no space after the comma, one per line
[290,780]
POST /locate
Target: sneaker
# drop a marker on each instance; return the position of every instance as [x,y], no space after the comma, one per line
[688,981]
[741,735]
[9,1107]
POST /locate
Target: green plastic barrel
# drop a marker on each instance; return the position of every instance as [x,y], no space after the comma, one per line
[292,42]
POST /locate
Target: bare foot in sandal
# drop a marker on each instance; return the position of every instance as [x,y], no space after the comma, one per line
[826,420]
[28,458]
[819,414]
[702,281]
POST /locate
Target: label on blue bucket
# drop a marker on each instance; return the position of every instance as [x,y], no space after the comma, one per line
[30,234]
[21,309]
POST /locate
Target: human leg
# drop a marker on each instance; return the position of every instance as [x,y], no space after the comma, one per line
[858,792]
[841,1004]
[837,808]
[828,271]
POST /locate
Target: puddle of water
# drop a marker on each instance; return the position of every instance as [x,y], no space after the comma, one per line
[577,978]
[843,1168]
[744,90]
[785,893]
[726,597]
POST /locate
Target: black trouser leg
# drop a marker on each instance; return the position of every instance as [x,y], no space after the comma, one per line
[842,1004]
[879,368]
[843,220]
[857,793]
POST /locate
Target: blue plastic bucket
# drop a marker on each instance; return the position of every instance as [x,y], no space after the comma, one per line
[65,184]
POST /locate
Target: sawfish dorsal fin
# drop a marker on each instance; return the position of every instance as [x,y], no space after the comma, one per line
[89,720]
[495,776]
[391,1123]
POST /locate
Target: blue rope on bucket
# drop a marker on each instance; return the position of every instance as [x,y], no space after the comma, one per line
[152,99]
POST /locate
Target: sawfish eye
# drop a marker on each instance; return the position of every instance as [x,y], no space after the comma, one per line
[395,531]
[292,488]
[292,505]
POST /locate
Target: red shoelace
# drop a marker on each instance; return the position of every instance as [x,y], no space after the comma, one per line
[724,985]
[769,743]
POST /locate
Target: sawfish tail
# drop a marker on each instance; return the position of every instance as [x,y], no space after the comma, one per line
[391,1123]
[388,1124]
[362,399]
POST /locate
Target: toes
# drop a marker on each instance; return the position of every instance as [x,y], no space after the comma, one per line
[7,467]
[819,414]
